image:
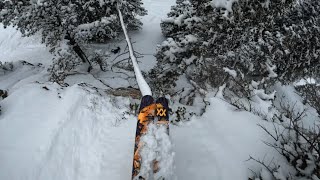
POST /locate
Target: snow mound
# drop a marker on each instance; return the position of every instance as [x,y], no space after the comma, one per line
[21,73]
[217,145]
[64,133]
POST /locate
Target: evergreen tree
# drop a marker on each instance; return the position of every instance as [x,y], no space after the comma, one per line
[71,21]
[248,48]
[256,41]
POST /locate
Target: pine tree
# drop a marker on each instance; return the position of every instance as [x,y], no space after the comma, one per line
[263,41]
[71,21]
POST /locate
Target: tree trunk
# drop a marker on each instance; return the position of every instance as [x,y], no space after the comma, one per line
[79,51]
[143,85]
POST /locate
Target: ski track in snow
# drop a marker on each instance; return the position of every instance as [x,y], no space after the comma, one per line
[146,40]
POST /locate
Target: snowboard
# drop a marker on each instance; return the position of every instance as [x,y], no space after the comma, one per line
[149,112]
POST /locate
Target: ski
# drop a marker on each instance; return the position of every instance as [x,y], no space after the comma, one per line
[152,126]
[162,137]
[145,117]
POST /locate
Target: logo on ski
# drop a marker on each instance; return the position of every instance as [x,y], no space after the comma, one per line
[161,112]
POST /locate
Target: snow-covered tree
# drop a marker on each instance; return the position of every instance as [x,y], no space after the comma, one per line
[248,45]
[296,141]
[71,21]
[245,44]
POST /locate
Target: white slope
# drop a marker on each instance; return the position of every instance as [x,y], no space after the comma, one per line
[22,73]
[13,47]
[74,133]
[71,133]
[145,41]
[217,145]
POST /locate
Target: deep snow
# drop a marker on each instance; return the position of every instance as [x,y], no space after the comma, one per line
[69,133]
[82,135]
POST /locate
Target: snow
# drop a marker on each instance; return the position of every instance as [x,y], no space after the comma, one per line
[220,91]
[179,20]
[82,136]
[145,41]
[148,153]
[190,60]
[157,146]
[220,142]
[77,136]
[265,174]
[231,72]
[189,39]
[20,75]
[271,70]
[13,47]
[165,153]
[288,97]
[227,4]
[305,81]
[174,48]
[80,132]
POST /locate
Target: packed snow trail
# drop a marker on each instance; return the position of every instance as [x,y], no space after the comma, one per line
[146,40]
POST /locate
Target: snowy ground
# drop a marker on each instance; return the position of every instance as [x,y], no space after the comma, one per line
[59,133]
[76,133]
[13,47]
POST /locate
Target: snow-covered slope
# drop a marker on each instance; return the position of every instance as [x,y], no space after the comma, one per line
[59,133]
[13,47]
[217,145]
[76,133]
[150,35]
